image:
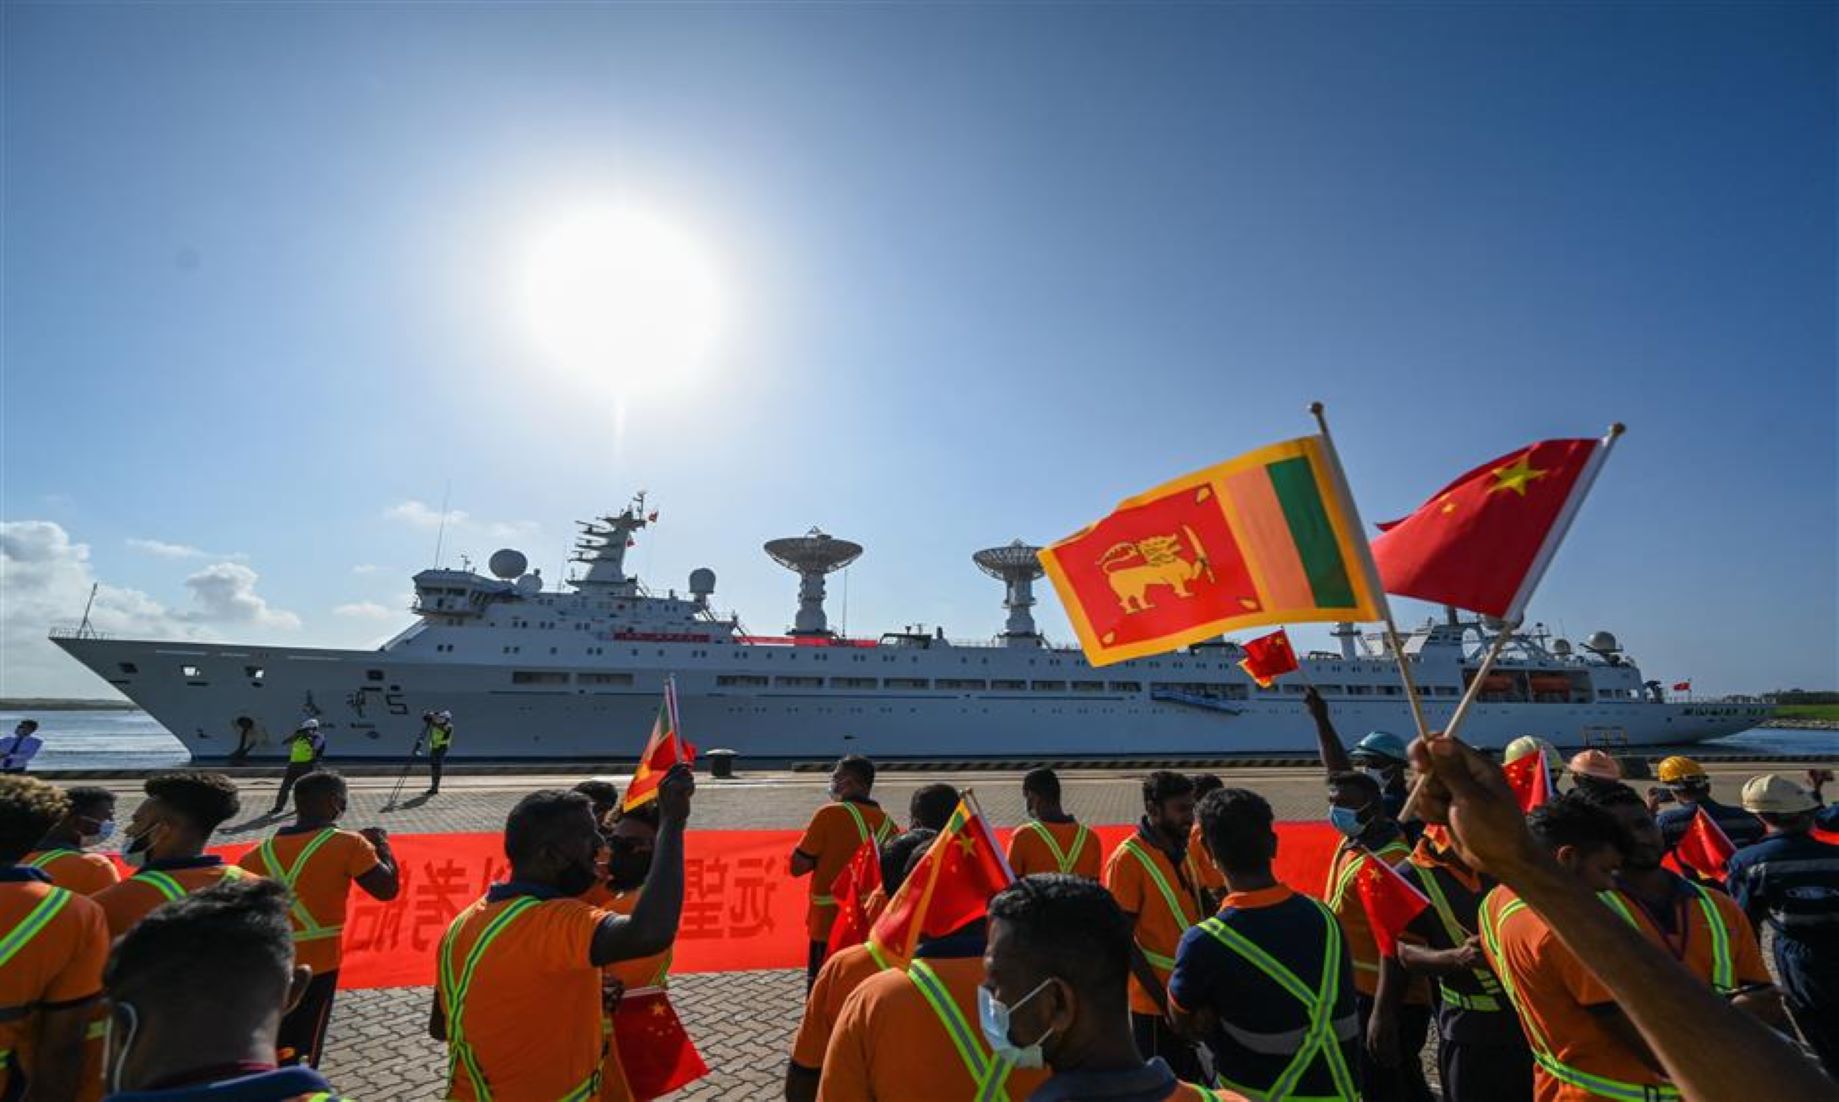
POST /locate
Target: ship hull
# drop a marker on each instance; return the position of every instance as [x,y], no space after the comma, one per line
[369,702]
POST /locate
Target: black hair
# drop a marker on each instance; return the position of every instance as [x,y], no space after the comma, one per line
[87,799]
[1236,822]
[931,806]
[30,724]
[1073,929]
[542,818]
[1573,820]
[202,799]
[1205,783]
[1608,794]
[227,946]
[898,853]
[1164,785]
[1354,778]
[1043,782]
[318,784]
[600,792]
[29,808]
[858,767]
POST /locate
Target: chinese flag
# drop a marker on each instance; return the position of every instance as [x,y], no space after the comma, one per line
[654,1051]
[852,888]
[1390,901]
[1705,847]
[951,886]
[1530,780]
[666,748]
[1268,657]
[1682,686]
[1482,542]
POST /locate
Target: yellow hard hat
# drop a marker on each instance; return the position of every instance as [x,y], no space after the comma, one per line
[1595,763]
[1531,744]
[1679,768]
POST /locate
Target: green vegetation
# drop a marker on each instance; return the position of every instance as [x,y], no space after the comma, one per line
[1808,711]
[59,704]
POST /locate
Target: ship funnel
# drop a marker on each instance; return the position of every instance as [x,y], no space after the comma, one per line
[811,556]
[1016,566]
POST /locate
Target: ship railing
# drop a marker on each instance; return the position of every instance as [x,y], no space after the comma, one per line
[76,631]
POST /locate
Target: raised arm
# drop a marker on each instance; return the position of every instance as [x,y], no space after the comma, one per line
[1334,755]
[385,880]
[652,925]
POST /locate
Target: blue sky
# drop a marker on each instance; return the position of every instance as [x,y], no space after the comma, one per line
[987,270]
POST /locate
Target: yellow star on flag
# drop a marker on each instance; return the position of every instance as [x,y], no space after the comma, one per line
[969,843]
[1516,475]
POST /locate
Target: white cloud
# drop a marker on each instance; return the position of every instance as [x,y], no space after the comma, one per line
[367,610]
[166,550]
[422,515]
[515,529]
[45,580]
[366,568]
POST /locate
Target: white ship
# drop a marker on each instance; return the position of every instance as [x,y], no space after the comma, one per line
[576,673]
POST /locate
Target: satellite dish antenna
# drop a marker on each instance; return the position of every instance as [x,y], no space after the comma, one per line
[811,556]
[507,563]
[529,585]
[1016,566]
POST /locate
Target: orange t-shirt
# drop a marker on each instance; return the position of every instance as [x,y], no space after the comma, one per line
[836,981]
[323,886]
[532,1015]
[75,870]
[1554,993]
[890,1046]
[1747,967]
[60,966]
[1159,928]
[1200,866]
[1030,851]
[651,971]
[832,838]
[136,897]
[1344,900]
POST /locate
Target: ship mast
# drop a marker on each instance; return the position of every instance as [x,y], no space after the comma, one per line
[602,545]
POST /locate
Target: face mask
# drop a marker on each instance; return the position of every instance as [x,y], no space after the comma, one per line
[104,831]
[1381,777]
[140,847]
[994,1017]
[627,866]
[1346,821]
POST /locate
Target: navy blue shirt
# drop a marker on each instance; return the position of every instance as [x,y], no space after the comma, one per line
[1742,828]
[1259,1024]
[1792,881]
[281,1085]
[1478,1027]
[1153,1082]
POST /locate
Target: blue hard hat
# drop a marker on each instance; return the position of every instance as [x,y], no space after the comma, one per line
[1379,744]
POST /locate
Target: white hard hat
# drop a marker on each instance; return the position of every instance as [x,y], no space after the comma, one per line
[1776,794]
[310,725]
[1532,744]
[443,714]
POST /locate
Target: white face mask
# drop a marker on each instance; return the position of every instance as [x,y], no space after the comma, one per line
[994,1018]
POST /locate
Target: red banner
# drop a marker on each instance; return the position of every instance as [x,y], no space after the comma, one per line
[741,908]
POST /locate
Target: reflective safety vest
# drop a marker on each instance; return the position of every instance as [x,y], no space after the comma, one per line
[1723,971]
[989,1072]
[302,749]
[1185,914]
[863,833]
[306,927]
[48,856]
[171,888]
[1488,1001]
[22,935]
[439,737]
[1065,859]
[456,979]
[1320,1040]
[1597,1085]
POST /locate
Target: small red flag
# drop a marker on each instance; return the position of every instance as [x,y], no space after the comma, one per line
[655,1053]
[851,890]
[1390,901]
[1682,686]
[1705,847]
[1482,542]
[1530,780]
[1269,657]
[951,885]
[665,748]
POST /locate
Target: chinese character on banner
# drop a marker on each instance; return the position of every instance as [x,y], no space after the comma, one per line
[376,925]
[752,910]
[705,879]
[444,890]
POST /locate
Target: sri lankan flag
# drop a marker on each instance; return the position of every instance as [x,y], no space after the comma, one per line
[1267,538]
[665,748]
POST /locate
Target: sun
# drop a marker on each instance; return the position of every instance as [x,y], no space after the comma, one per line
[622,295]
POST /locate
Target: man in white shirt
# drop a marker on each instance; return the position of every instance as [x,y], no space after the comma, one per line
[20,747]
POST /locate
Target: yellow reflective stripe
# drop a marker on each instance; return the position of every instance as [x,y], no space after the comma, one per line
[455,986]
[1457,935]
[310,927]
[1180,913]
[49,856]
[985,1070]
[823,900]
[96,1030]
[161,883]
[1064,859]
[1723,970]
[32,924]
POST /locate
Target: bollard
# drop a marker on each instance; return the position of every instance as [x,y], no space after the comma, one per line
[721,764]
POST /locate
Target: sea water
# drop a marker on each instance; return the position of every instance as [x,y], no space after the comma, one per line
[103,739]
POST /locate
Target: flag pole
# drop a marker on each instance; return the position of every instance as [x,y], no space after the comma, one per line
[970,797]
[1372,574]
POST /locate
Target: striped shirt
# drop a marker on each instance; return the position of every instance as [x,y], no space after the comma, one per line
[1792,881]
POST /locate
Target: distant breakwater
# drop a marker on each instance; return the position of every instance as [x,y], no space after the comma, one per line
[1802,723]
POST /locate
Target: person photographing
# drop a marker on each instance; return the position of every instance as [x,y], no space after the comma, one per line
[437,732]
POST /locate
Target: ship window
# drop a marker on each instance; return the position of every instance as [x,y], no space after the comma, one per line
[1126,687]
[538,677]
[1360,690]
[1330,690]
[959,683]
[373,675]
[1050,686]
[1088,686]
[852,683]
[128,667]
[191,671]
[603,679]
[799,682]
[907,683]
[254,673]
[1005,683]
[740,679]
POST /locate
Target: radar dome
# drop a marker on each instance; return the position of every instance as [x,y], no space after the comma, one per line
[1602,642]
[529,585]
[702,581]
[1562,648]
[507,563]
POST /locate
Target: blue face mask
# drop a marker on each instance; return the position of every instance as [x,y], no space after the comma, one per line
[1346,821]
[994,1017]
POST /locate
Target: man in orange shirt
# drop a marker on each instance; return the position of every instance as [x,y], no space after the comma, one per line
[1145,874]
[912,1034]
[1051,840]
[1583,1045]
[166,840]
[843,973]
[1056,994]
[1703,929]
[833,836]
[520,998]
[319,863]
[51,957]
[65,856]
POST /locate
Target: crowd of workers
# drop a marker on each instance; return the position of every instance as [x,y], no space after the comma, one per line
[1559,957]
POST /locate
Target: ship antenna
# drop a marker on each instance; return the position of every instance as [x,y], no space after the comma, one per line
[440,536]
[83,628]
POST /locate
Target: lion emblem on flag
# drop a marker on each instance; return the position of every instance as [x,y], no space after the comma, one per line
[1133,566]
